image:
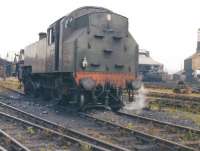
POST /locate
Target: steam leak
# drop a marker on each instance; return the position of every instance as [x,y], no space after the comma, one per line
[140,100]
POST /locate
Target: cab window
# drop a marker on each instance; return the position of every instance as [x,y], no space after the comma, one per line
[51,36]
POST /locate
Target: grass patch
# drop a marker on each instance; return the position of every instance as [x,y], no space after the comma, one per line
[170,91]
[11,83]
[177,112]
[154,106]
[184,115]
[31,130]
[85,147]
[130,125]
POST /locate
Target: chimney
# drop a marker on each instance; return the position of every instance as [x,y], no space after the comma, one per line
[42,35]
[147,53]
[198,41]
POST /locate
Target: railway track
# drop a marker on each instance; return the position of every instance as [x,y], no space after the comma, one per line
[97,131]
[185,105]
[36,137]
[191,104]
[2,148]
[171,95]
[130,139]
[138,142]
[9,143]
[53,126]
[183,135]
[151,140]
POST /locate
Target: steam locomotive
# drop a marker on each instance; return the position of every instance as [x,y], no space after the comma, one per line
[87,58]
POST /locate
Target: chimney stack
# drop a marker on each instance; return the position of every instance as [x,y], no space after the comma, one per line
[42,35]
[198,41]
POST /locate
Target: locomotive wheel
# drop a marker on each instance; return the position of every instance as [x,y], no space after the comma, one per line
[116,107]
[28,88]
[36,92]
[57,94]
[47,93]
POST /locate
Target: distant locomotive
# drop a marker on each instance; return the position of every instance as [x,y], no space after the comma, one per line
[88,57]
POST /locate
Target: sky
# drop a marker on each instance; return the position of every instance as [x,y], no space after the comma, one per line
[166,28]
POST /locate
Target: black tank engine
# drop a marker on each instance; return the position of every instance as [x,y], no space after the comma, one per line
[87,58]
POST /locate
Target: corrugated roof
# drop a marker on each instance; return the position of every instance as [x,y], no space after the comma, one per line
[180,72]
[145,59]
[3,61]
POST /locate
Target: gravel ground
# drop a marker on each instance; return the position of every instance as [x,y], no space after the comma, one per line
[49,110]
[68,118]
[35,139]
[175,118]
[168,133]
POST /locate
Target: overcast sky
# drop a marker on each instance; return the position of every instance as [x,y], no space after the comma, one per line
[167,28]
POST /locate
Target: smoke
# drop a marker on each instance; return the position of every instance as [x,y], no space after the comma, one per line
[140,100]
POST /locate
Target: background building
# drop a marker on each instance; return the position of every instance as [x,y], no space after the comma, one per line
[149,69]
[5,68]
[192,63]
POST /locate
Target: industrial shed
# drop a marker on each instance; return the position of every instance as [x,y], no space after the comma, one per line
[5,68]
[192,63]
[149,69]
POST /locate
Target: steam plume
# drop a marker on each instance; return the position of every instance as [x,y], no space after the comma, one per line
[140,100]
